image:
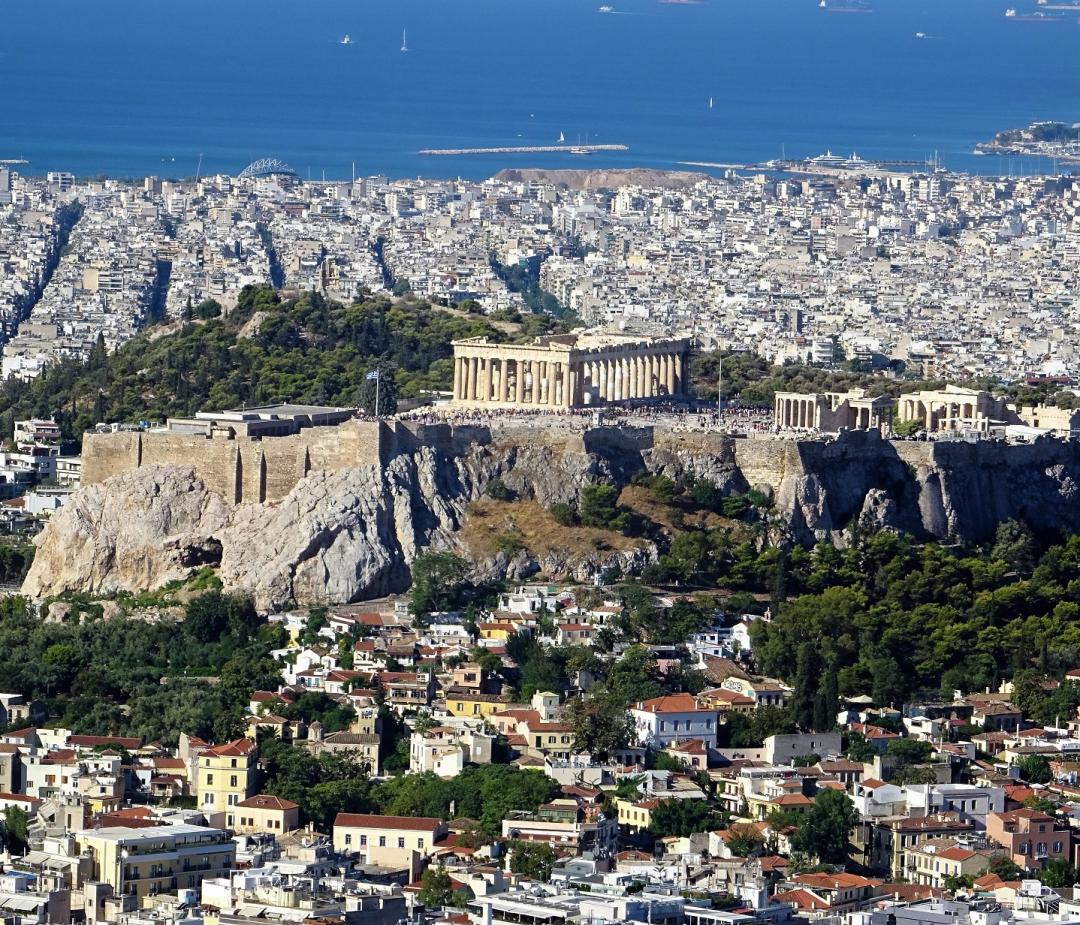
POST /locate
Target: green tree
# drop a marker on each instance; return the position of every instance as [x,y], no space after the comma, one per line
[600,723]
[744,841]
[532,859]
[1035,769]
[438,580]
[385,389]
[826,830]
[857,748]
[683,817]
[1002,866]
[436,888]
[598,508]
[1015,545]
[565,514]
[16,830]
[910,751]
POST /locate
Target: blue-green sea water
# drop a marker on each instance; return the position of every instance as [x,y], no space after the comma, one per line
[135,87]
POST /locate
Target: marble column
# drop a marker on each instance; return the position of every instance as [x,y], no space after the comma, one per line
[504,381]
[568,384]
[457,378]
[669,374]
[470,379]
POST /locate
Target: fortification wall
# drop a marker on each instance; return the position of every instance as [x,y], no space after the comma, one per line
[767,461]
[241,469]
[106,455]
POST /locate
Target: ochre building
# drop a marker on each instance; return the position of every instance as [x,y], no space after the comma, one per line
[568,371]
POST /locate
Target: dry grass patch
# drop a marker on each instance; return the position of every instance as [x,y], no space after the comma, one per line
[493,526]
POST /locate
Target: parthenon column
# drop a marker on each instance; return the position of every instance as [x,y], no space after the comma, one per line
[568,385]
[680,372]
[457,378]
[553,383]
[669,374]
[470,380]
[504,380]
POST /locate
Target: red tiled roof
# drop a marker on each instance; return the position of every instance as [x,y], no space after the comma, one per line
[238,748]
[362,821]
[267,801]
[671,703]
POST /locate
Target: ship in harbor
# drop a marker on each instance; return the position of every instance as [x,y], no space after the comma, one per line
[346,39]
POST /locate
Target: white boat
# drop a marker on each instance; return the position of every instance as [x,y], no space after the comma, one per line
[607,9]
[404,41]
[562,138]
[920,35]
[346,39]
[822,4]
[1010,12]
[710,102]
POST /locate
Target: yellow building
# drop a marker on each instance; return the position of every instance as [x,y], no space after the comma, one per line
[157,859]
[496,632]
[635,816]
[265,813]
[225,775]
[391,842]
[464,703]
[761,806]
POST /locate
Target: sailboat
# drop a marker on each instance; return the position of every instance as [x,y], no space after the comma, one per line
[346,40]
[404,41]
[562,138]
[710,102]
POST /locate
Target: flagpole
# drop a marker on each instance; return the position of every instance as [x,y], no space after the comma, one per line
[378,384]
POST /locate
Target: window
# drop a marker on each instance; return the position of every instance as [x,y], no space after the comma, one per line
[1023,847]
[209,780]
[348,839]
[382,841]
[401,841]
[233,763]
[1057,847]
[420,842]
[363,841]
[232,780]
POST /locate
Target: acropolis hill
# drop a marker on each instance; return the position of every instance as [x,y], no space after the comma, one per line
[336,513]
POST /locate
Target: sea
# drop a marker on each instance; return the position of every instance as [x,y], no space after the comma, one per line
[129,88]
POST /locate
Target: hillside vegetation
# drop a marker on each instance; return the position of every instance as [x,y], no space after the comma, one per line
[308,349]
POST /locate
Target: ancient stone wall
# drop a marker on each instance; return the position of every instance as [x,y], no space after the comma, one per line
[241,469]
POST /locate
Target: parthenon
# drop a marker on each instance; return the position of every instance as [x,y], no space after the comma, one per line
[568,371]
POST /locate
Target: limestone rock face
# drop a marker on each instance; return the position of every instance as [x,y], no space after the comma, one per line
[138,530]
[352,534]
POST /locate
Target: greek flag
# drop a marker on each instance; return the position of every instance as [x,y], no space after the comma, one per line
[372,376]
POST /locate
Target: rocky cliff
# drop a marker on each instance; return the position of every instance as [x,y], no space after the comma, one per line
[350,534]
